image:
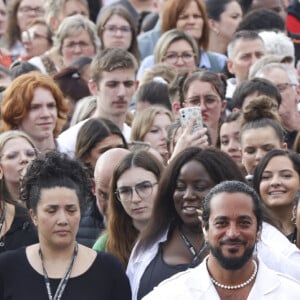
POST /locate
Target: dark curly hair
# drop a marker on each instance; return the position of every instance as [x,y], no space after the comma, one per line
[55,170]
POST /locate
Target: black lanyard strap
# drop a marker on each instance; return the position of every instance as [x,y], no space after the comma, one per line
[196,256]
[63,282]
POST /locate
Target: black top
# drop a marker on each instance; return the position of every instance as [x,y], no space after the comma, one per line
[91,225]
[290,137]
[156,272]
[21,233]
[105,280]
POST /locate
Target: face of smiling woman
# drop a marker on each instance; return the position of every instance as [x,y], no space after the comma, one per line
[192,185]
[279,183]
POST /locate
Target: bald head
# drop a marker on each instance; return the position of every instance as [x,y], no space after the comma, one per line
[104,168]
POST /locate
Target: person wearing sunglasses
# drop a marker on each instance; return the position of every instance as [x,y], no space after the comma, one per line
[132,192]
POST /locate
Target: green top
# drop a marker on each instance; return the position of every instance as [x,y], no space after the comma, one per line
[101,242]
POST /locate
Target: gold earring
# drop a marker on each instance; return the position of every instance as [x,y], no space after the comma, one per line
[293,220]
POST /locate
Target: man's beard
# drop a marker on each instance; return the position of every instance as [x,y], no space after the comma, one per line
[232,263]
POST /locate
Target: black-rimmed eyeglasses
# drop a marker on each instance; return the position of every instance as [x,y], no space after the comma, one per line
[143,189]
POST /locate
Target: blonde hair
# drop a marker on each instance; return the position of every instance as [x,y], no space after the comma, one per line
[143,121]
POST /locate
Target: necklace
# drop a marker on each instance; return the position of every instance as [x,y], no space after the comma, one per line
[63,282]
[238,286]
[2,219]
[196,256]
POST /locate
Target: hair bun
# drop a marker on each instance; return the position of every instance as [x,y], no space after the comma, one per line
[259,108]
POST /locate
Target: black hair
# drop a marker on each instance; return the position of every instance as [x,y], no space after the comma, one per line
[215,8]
[92,132]
[55,170]
[154,93]
[260,86]
[232,186]
[262,19]
[20,67]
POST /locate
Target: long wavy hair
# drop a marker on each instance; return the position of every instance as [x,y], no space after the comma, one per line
[218,165]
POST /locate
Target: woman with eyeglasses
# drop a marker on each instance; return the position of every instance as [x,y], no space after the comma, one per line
[132,192]
[176,48]
[21,13]
[76,37]
[16,152]
[188,16]
[116,29]
[207,90]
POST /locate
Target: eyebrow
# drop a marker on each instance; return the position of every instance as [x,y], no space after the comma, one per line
[242,217]
[56,205]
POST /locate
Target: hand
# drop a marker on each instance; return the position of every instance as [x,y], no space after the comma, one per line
[189,139]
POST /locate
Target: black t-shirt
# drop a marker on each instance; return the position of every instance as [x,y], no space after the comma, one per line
[157,271]
[21,232]
[104,280]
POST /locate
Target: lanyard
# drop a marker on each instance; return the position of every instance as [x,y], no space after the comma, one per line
[63,282]
[196,256]
[2,218]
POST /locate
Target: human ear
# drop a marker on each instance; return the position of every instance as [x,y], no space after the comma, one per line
[92,87]
[258,235]
[205,233]
[33,217]
[230,66]
[213,25]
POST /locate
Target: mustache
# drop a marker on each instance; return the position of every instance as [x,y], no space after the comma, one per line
[233,241]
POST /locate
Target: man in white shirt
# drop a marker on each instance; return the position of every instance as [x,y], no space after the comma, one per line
[231,222]
[113,82]
[245,48]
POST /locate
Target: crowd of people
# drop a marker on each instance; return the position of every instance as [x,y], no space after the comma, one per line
[106,192]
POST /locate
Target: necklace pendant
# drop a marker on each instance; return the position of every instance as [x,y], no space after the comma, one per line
[2,244]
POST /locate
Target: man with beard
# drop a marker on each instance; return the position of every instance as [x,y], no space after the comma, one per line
[231,222]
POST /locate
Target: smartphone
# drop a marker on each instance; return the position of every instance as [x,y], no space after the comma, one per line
[189,113]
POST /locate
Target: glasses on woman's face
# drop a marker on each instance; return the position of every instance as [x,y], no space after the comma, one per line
[173,57]
[143,189]
[15,155]
[113,30]
[28,9]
